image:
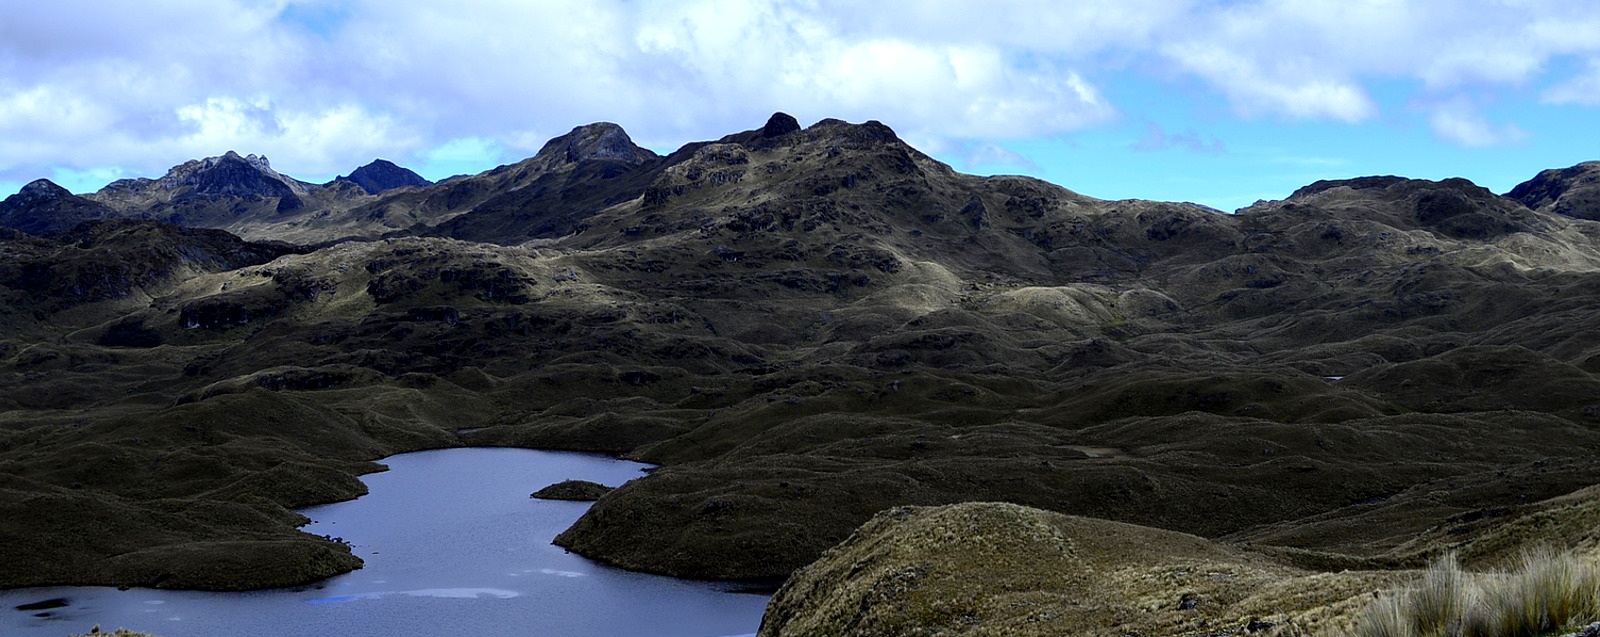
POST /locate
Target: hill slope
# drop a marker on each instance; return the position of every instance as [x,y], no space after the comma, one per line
[805,326]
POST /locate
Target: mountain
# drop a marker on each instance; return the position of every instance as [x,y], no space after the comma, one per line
[42,207]
[244,195]
[806,327]
[1574,192]
[229,175]
[381,175]
[225,192]
[552,193]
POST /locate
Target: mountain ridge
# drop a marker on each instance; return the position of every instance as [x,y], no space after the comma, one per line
[264,204]
[805,327]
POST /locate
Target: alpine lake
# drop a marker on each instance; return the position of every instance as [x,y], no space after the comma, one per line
[453,545]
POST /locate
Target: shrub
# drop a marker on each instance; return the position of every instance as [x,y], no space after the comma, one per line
[1548,591]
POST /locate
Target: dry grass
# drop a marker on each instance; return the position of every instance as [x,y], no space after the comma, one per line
[1547,592]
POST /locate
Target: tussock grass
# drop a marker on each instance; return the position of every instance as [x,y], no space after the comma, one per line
[1546,592]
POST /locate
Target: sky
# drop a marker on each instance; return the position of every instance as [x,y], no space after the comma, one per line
[1220,102]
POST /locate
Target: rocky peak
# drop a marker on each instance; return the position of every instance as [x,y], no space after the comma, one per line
[780,124]
[40,190]
[856,136]
[603,141]
[381,175]
[230,175]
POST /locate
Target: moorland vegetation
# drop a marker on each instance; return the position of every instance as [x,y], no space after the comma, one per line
[809,329]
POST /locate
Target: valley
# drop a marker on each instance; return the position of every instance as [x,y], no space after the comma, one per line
[806,328]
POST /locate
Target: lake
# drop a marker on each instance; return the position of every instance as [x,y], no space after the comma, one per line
[453,546]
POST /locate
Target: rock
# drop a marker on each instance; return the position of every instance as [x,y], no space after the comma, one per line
[230,176]
[602,141]
[780,124]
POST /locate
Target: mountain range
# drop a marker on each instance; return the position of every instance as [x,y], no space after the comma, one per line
[804,327]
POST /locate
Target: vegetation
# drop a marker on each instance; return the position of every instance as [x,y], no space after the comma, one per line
[1547,592]
[803,328]
[576,490]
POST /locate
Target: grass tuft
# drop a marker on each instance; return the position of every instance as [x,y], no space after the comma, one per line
[1547,592]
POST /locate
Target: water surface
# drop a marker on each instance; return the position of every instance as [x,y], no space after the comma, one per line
[453,546]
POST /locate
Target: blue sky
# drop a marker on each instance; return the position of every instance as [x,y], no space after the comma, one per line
[1217,102]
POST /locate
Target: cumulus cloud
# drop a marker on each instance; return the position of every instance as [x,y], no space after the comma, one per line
[1466,126]
[325,85]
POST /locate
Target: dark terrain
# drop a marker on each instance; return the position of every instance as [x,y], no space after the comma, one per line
[804,327]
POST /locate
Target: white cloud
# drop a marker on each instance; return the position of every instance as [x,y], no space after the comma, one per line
[1464,125]
[756,57]
[1289,87]
[322,86]
[1584,89]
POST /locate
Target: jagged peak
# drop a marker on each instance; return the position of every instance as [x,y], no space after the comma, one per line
[781,129]
[230,174]
[259,162]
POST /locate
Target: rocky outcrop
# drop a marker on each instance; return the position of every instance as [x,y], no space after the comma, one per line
[780,124]
[601,141]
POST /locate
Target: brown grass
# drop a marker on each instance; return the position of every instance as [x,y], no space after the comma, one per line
[1548,591]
